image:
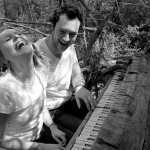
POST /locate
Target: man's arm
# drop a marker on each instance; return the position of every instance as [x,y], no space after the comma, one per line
[80,92]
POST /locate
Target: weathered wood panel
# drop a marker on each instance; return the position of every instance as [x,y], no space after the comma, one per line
[126,127]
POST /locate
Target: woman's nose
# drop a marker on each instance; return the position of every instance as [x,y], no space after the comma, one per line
[15,37]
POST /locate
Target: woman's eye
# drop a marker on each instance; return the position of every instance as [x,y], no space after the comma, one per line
[8,39]
[20,33]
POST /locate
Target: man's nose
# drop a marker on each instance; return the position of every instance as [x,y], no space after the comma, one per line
[66,37]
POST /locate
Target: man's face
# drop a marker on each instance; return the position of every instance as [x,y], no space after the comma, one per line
[65,32]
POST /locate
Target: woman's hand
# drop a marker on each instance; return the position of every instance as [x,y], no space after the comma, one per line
[58,135]
[42,146]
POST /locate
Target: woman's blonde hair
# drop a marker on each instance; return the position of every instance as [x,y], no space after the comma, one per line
[39,59]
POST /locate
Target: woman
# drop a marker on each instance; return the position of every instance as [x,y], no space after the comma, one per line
[22,95]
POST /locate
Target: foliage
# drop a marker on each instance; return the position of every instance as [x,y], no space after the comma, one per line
[140,38]
[126,32]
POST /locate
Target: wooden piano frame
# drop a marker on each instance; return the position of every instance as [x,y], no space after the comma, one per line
[127,126]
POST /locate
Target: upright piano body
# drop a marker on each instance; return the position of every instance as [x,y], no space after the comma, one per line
[121,120]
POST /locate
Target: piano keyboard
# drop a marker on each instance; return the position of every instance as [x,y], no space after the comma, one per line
[92,127]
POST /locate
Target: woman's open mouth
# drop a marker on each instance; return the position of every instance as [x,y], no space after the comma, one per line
[20,45]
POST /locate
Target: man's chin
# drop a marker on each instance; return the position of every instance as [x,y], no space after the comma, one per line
[63,48]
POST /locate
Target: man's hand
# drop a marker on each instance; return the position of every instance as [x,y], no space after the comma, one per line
[84,94]
[58,135]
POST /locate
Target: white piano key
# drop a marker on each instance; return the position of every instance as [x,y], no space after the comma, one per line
[87,137]
[102,115]
[96,113]
[97,109]
[84,143]
[101,112]
[74,148]
[114,89]
[99,115]
[96,128]
[106,99]
[88,134]
[109,96]
[111,93]
[106,102]
[97,119]
[88,143]
[84,139]
[104,105]
[91,123]
[100,109]
[81,146]
[92,133]
[108,93]
[114,86]
[90,130]
[113,83]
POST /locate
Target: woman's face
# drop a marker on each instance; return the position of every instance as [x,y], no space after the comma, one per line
[15,46]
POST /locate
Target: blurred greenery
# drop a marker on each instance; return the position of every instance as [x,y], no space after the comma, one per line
[125,33]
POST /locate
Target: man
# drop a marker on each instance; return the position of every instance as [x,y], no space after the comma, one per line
[59,48]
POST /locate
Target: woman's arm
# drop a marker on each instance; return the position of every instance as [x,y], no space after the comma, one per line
[9,142]
[47,119]
[57,135]
[12,143]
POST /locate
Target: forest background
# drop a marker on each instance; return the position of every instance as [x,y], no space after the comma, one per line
[113,30]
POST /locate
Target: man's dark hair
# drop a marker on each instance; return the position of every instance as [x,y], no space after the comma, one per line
[71,11]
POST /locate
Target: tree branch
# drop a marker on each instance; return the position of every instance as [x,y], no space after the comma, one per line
[40,23]
[96,34]
[35,30]
[118,2]
[89,11]
[30,11]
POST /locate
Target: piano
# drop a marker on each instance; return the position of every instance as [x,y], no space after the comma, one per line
[120,120]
